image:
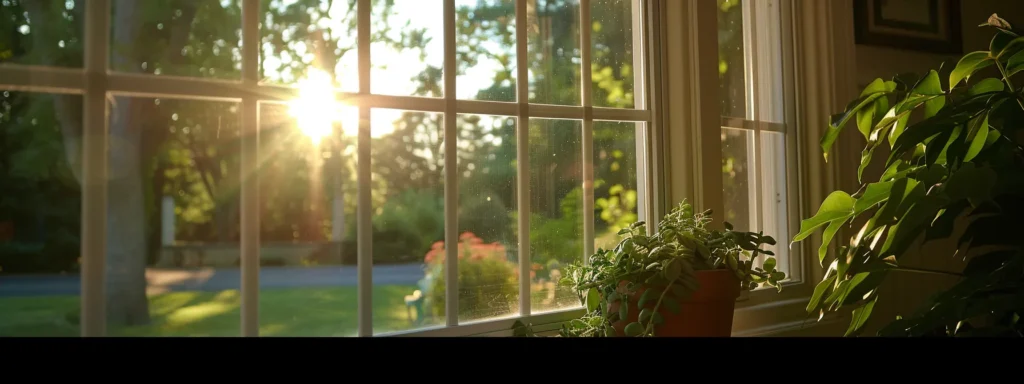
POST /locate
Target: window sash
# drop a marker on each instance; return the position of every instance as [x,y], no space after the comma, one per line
[768,86]
[97,82]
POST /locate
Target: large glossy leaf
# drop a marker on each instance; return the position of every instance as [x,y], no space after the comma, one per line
[836,206]
[943,224]
[1015,64]
[986,85]
[912,224]
[978,136]
[970,63]
[873,195]
[954,147]
[930,85]
[998,43]
[933,106]
[593,300]
[874,91]
[843,290]
[905,192]
[860,317]
[826,238]
[1010,47]
[820,290]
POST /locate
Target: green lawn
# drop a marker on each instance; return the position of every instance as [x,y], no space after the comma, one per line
[283,312]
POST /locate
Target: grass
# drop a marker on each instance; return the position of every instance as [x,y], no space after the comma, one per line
[283,312]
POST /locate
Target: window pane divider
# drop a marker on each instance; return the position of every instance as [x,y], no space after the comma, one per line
[523,155]
[364,208]
[94,170]
[249,164]
[586,26]
[451,171]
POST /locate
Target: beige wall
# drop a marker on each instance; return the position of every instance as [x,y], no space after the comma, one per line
[904,293]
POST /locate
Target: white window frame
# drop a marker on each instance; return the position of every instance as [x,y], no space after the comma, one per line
[813,40]
[679,145]
[96,82]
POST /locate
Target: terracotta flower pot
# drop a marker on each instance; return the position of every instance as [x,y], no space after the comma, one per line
[706,313]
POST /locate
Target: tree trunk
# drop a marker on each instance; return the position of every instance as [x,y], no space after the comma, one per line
[127,303]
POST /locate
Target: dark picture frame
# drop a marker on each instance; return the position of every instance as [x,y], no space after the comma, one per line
[905,24]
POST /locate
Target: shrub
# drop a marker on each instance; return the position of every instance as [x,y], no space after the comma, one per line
[487,280]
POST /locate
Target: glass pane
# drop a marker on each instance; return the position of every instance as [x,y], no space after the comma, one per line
[298,36]
[487,50]
[408,219]
[614,66]
[731,58]
[42,32]
[308,284]
[173,218]
[554,46]
[40,214]
[738,178]
[774,199]
[616,189]
[195,38]
[556,204]
[488,240]
[407,48]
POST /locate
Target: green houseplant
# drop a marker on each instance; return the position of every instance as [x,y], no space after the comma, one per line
[955,160]
[681,281]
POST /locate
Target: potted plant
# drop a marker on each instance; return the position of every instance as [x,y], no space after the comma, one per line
[681,281]
[956,159]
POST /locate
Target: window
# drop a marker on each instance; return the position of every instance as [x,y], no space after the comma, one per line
[314,168]
[756,129]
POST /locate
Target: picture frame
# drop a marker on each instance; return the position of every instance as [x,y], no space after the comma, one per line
[932,26]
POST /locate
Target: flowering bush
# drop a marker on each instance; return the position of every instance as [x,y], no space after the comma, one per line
[487,280]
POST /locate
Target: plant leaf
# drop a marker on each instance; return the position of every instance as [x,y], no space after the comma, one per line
[634,329]
[1015,64]
[836,206]
[769,265]
[972,183]
[819,291]
[861,316]
[970,63]
[978,138]
[647,296]
[838,121]
[593,300]
[910,225]
[826,239]
[873,195]
[898,128]
[930,85]
[673,269]
[933,106]
[986,85]
[624,310]
[841,292]
[1011,47]
[645,315]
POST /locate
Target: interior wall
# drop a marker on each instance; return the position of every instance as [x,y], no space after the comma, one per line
[904,293]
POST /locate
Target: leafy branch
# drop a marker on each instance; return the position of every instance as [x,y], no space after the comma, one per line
[960,160]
